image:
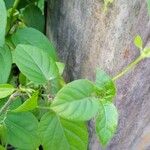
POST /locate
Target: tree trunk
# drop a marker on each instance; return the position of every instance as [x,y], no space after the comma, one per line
[87,38]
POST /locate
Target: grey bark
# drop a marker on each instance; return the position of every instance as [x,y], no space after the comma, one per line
[87,38]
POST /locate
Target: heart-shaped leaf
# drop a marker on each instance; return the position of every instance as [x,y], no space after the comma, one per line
[75,101]
[59,134]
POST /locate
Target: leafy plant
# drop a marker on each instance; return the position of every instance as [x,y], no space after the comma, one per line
[107,3]
[37,107]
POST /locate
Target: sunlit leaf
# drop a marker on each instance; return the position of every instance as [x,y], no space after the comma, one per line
[75,101]
[6,90]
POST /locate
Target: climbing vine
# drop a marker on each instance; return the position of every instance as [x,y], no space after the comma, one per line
[38,109]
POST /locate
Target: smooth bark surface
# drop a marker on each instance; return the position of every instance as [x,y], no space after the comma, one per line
[87,38]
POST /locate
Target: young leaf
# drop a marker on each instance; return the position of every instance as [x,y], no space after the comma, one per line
[138,42]
[3,21]
[33,17]
[106,122]
[5,64]
[22,130]
[146,52]
[29,104]
[6,90]
[105,86]
[35,64]
[59,134]
[36,38]
[75,101]
[61,67]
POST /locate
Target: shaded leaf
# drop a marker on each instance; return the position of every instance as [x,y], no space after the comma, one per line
[36,38]
[75,101]
[59,134]
[9,3]
[5,64]
[33,17]
[22,130]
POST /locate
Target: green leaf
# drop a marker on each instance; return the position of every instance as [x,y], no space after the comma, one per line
[105,86]
[2,148]
[22,79]
[29,104]
[148,6]
[3,21]
[16,103]
[106,122]
[138,42]
[35,64]
[36,38]
[22,130]
[2,133]
[146,52]
[9,3]
[33,17]
[60,134]
[5,64]
[75,101]
[61,67]
[6,90]
[41,5]
[24,3]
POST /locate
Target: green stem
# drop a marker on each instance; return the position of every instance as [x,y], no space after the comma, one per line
[16,4]
[128,68]
[7,104]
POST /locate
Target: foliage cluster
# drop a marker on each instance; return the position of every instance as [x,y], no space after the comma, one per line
[37,107]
